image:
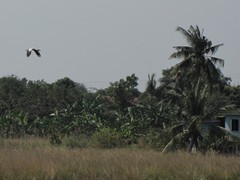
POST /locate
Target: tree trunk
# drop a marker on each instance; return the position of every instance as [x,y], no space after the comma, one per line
[193,141]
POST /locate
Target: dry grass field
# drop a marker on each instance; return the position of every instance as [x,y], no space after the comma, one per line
[34,158]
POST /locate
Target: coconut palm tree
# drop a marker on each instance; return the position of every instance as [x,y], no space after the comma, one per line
[193,102]
[151,84]
[194,78]
[197,57]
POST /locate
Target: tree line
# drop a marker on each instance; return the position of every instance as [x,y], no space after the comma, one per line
[167,116]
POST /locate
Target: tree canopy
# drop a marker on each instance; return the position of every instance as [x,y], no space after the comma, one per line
[197,58]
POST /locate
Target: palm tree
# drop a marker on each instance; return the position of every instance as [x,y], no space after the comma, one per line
[193,102]
[197,57]
[197,67]
[151,84]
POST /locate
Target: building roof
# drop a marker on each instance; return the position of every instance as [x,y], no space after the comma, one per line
[230,112]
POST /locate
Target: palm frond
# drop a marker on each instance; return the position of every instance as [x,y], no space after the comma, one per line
[200,92]
[213,49]
[194,97]
[195,31]
[211,72]
[230,134]
[186,51]
[172,144]
[187,35]
[183,48]
[179,55]
[183,65]
[195,35]
[216,60]
[176,93]
[208,46]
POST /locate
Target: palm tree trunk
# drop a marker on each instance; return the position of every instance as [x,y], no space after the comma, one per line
[193,141]
[190,146]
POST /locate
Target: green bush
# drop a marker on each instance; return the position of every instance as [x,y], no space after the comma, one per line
[107,138]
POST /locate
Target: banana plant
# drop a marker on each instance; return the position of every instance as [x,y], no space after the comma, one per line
[14,125]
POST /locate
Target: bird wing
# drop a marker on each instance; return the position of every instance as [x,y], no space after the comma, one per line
[28,53]
[37,52]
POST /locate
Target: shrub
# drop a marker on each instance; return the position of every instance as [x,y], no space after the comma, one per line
[107,138]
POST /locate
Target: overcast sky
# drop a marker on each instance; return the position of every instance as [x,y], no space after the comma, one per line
[96,42]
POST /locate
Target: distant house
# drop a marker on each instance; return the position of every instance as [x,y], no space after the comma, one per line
[230,121]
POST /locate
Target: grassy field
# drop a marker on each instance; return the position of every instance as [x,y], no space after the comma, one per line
[34,158]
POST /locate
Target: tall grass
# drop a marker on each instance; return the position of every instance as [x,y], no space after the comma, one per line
[37,159]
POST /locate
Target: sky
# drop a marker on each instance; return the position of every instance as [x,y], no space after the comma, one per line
[96,42]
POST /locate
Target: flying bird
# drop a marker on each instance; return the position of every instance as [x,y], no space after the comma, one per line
[37,51]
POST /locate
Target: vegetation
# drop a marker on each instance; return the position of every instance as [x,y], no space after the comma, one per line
[166,117]
[33,158]
[64,131]
[197,57]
